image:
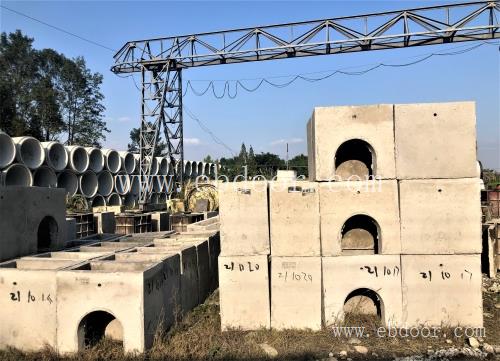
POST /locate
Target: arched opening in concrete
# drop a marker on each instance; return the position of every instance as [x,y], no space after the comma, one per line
[354,158]
[97,325]
[363,304]
[360,234]
[47,233]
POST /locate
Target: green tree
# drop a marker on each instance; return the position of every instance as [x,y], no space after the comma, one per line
[299,164]
[82,104]
[44,94]
[268,164]
[251,163]
[208,159]
[17,75]
[133,146]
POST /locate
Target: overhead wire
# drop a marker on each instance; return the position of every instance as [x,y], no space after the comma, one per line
[59,29]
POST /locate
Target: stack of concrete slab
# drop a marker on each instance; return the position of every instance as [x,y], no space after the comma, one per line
[390,214]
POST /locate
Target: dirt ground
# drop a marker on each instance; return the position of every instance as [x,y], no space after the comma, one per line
[198,337]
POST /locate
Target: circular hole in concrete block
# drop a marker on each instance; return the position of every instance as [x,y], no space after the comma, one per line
[94,327]
[363,302]
[47,233]
[360,235]
[354,158]
[440,190]
[435,114]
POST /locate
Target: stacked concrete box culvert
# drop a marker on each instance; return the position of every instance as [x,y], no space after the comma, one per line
[351,140]
[395,230]
[111,278]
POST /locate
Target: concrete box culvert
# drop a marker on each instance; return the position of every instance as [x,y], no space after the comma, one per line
[128,162]
[68,180]
[56,156]
[78,159]
[7,150]
[105,183]
[44,177]
[17,175]
[162,165]
[96,159]
[88,184]
[113,162]
[122,183]
[114,199]
[29,152]
[98,201]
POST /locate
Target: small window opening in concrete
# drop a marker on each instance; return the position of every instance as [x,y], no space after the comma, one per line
[47,233]
[354,158]
[363,304]
[360,235]
[96,326]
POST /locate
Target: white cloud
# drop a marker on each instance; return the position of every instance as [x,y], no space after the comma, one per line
[289,141]
[192,141]
[124,119]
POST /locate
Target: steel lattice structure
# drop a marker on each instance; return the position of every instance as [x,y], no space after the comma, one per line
[161,60]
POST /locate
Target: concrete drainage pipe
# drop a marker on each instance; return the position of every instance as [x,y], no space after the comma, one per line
[16,175]
[78,159]
[7,150]
[113,161]
[44,177]
[88,184]
[96,159]
[105,183]
[68,180]
[29,152]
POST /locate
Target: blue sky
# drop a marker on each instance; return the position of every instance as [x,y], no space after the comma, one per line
[269,117]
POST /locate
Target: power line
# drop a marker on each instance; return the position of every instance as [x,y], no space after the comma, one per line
[208,131]
[59,29]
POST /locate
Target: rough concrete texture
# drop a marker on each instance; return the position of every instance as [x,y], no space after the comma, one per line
[294,218]
[436,140]
[132,292]
[348,276]
[160,221]
[378,199]
[28,305]
[244,201]
[32,219]
[171,303]
[441,216]
[105,222]
[189,283]
[203,261]
[296,292]
[213,238]
[209,224]
[244,292]
[442,290]
[373,124]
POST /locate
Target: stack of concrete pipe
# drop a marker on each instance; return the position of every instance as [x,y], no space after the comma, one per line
[103,176]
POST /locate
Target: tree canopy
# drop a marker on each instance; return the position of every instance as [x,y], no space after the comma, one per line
[47,95]
[265,164]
